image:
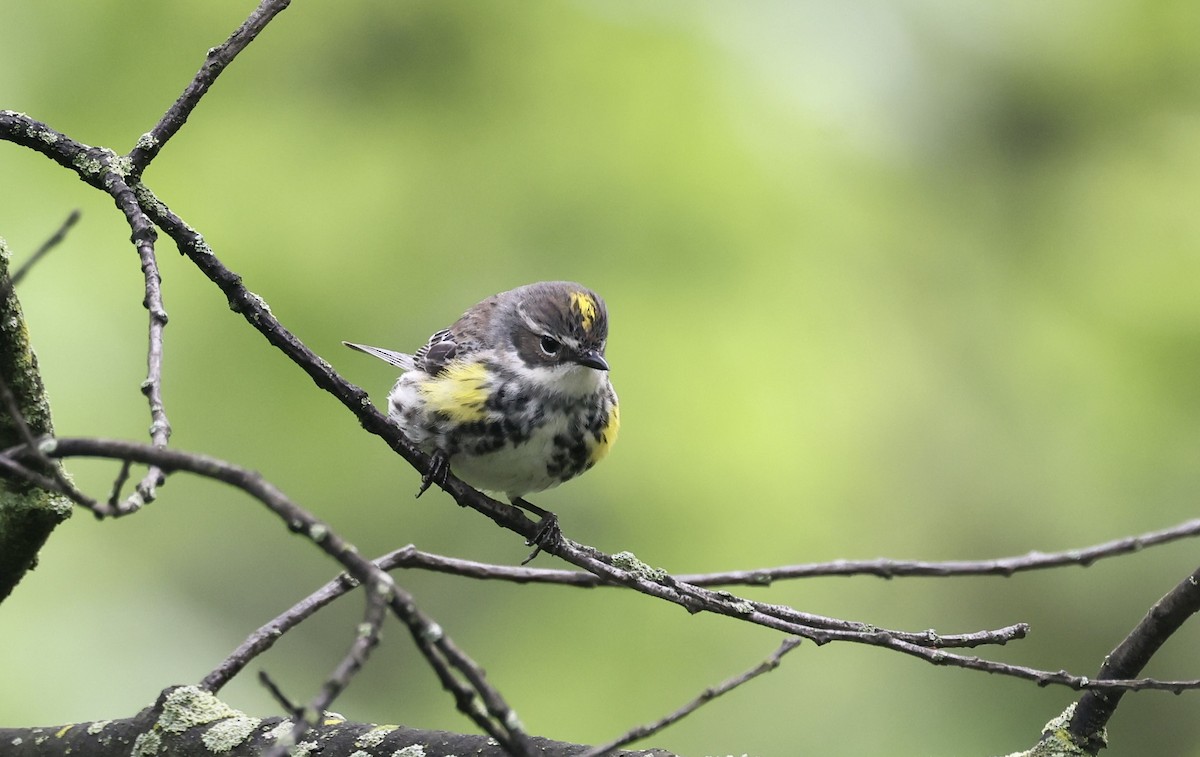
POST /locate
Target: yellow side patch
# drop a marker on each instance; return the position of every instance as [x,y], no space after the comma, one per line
[608,436]
[459,392]
[586,306]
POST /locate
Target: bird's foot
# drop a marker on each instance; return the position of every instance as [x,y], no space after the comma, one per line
[439,468]
[547,534]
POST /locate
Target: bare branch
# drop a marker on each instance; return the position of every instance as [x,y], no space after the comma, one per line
[144,237]
[412,557]
[278,695]
[1163,619]
[54,240]
[48,483]
[87,162]
[365,640]
[1005,566]
[218,58]
[706,696]
[265,637]
[118,484]
[1044,677]
[655,583]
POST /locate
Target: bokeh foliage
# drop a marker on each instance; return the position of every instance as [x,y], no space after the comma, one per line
[914,279]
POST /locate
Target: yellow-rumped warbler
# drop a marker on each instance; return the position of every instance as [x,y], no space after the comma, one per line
[514,396]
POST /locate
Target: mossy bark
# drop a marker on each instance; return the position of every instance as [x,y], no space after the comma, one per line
[27,514]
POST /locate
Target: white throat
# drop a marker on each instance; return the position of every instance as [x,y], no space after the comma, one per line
[570,379]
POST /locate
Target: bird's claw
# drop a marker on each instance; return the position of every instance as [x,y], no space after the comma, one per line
[439,468]
[547,535]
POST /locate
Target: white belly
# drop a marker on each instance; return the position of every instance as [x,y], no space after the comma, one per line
[514,471]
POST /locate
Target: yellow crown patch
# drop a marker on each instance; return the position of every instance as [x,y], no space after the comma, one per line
[583,302]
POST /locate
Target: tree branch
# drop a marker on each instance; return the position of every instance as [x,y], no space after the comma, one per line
[1004,566]
[29,511]
[1168,614]
[55,240]
[215,63]
[365,640]
[708,695]
[143,238]
[188,722]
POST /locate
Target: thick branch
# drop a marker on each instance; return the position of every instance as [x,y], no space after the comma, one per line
[189,722]
[1126,661]
[27,513]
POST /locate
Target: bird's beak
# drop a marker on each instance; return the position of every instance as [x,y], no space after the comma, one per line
[592,359]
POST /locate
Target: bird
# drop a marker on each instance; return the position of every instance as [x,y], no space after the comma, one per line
[514,397]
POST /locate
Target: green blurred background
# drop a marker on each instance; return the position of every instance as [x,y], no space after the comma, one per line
[914,279]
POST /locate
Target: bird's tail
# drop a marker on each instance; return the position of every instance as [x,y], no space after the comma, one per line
[401,360]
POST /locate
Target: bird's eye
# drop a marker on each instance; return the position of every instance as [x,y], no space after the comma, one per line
[550,346]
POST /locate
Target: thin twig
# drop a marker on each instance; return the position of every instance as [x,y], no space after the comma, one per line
[91,164]
[278,695]
[63,487]
[409,556]
[54,240]
[143,238]
[1005,566]
[217,60]
[412,557]
[356,656]
[118,484]
[1044,677]
[424,630]
[706,696]
[264,637]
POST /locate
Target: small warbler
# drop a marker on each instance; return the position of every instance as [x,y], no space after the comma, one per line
[514,397]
